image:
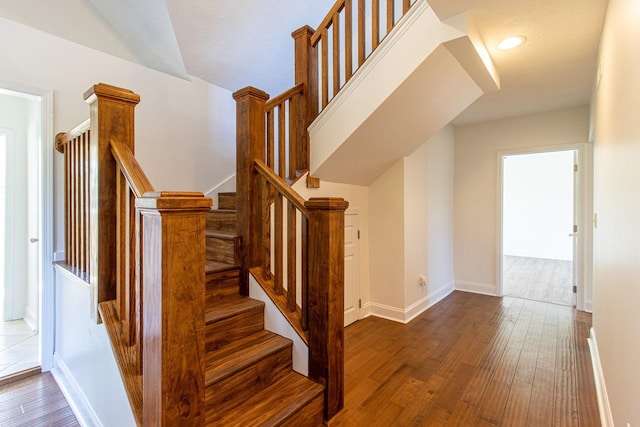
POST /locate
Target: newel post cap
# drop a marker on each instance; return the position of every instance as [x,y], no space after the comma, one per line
[326,204]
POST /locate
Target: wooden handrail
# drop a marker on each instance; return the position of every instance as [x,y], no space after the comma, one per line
[131,169]
[281,186]
[63,138]
[327,21]
[284,96]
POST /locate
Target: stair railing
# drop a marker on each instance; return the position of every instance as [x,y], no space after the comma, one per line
[348,35]
[143,255]
[315,304]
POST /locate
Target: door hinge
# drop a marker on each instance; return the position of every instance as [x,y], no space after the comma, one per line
[358,234]
[575,289]
[575,228]
[359,303]
[575,168]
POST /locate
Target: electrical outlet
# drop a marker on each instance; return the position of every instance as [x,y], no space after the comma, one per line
[422,280]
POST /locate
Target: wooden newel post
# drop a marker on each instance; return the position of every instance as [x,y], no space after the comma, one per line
[306,72]
[326,298]
[173,270]
[112,117]
[250,145]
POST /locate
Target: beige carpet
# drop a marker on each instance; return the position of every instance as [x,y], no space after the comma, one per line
[547,280]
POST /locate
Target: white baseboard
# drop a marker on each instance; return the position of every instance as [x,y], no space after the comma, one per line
[588,306]
[477,288]
[226,186]
[407,314]
[77,400]
[606,417]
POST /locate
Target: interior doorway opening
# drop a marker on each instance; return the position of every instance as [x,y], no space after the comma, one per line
[26,325]
[538,226]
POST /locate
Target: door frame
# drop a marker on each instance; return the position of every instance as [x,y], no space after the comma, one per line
[46,292]
[356,213]
[583,208]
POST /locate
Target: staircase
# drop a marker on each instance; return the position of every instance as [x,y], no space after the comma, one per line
[248,375]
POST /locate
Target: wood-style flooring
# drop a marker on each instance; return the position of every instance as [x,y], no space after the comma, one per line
[471,360]
[34,401]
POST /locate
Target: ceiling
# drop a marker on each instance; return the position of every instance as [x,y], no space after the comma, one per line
[236,43]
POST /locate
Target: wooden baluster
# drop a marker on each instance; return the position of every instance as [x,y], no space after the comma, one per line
[122,295]
[278,244]
[73,149]
[390,15]
[406,4]
[173,291]
[264,191]
[67,204]
[336,54]
[348,40]
[139,288]
[361,32]
[130,265]
[291,256]
[81,196]
[304,255]
[306,72]
[325,67]
[282,149]
[250,145]
[293,136]
[87,191]
[375,24]
[270,160]
[111,115]
[326,298]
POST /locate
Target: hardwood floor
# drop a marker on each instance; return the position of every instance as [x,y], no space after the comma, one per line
[34,401]
[471,360]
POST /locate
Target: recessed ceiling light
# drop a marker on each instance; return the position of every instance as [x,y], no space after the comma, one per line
[511,42]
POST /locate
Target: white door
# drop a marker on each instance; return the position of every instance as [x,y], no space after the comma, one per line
[351,269]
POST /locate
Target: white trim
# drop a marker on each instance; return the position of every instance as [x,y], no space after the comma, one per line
[74,395]
[606,417]
[588,306]
[227,185]
[417,9]
[422,305]
[59,256]
[406,315]
[477,288]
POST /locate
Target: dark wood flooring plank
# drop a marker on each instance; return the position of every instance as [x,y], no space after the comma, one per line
[471,360]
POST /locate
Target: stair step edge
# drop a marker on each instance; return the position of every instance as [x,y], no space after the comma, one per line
[289,393]
[231,306]
[237,356]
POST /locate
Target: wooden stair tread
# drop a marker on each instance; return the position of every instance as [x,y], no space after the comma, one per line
[225,235]
[240,354]
[218,267]
[274,404]
[231,306]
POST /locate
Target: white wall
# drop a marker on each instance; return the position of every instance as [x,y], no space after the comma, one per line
[476,184]
[84,364]
[538,205]
[429,223]
[617,237]
[411,211]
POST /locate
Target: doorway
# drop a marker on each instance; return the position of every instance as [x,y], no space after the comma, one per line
[26,289]
[539,233]
[352,301]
